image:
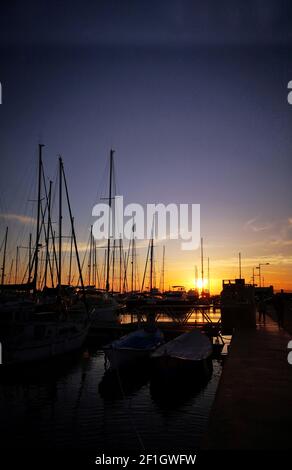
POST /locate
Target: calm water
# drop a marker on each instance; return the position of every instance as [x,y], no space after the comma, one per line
[79,405]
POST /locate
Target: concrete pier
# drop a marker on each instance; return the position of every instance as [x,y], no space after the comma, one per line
[253,404]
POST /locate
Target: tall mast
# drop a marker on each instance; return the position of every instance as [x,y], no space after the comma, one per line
[120,250]
[37,245]
[70,259]
[16,264]
[48,232]
[126,264]
[29,258]
[96,282]
[151,266]
[60,221]
[209,275]
[113,272]
[162,272]
[55,262]
[151,263]
[41,269]
[10,271]
[90,256]
[104,269]
[73,232]
[91,259]
[4,257]
[109,222]
[52,233]
[146,265]
[132,259]
[202,265]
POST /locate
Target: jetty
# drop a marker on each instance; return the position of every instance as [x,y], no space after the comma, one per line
[253,403]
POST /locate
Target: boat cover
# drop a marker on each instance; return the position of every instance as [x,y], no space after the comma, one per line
[191,346]
[139,339]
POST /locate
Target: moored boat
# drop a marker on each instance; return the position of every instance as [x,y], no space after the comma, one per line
[134,347]
[188,352]
[30,336]
[105,309]
[46,324]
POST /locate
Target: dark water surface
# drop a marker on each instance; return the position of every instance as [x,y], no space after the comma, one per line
[75,404]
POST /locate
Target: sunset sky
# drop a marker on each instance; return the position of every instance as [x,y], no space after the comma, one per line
[192,95]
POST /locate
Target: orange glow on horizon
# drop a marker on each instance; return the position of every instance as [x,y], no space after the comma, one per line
[201,283]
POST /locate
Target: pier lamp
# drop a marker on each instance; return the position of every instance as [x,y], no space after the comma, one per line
[259,268]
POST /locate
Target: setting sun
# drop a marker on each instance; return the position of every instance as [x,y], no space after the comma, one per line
[201,283]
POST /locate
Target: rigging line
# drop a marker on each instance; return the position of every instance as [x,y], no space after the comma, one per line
[98,195]
[25,201]
[84,258]
[2,244]
[114,178]
[146,265]
[126,258]
[54,195]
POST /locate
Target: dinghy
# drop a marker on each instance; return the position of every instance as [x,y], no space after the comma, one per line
[186,353]
[132,348]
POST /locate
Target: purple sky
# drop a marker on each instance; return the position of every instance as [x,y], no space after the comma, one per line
[192,97]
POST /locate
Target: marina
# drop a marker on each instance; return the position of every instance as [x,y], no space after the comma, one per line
[78,403]
[145,233]
[186,358]
[123,351]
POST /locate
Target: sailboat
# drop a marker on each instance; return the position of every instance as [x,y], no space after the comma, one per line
[105,306]
[32,331]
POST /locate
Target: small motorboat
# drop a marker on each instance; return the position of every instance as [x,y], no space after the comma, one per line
[134,347]
[188,352]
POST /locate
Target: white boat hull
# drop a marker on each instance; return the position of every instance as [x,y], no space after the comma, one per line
[29,350]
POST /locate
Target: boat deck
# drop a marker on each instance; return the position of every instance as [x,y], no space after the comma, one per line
[253,404]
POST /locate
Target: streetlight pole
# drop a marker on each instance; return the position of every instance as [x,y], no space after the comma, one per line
[259,268]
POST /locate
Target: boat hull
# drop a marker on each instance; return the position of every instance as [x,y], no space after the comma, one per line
[36,351]
[173,367]
[133,348]
[120,358]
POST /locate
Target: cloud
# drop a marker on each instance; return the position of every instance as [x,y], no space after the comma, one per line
[66,247]
[23,219]
[284,235]
[257,227]
[276,234]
